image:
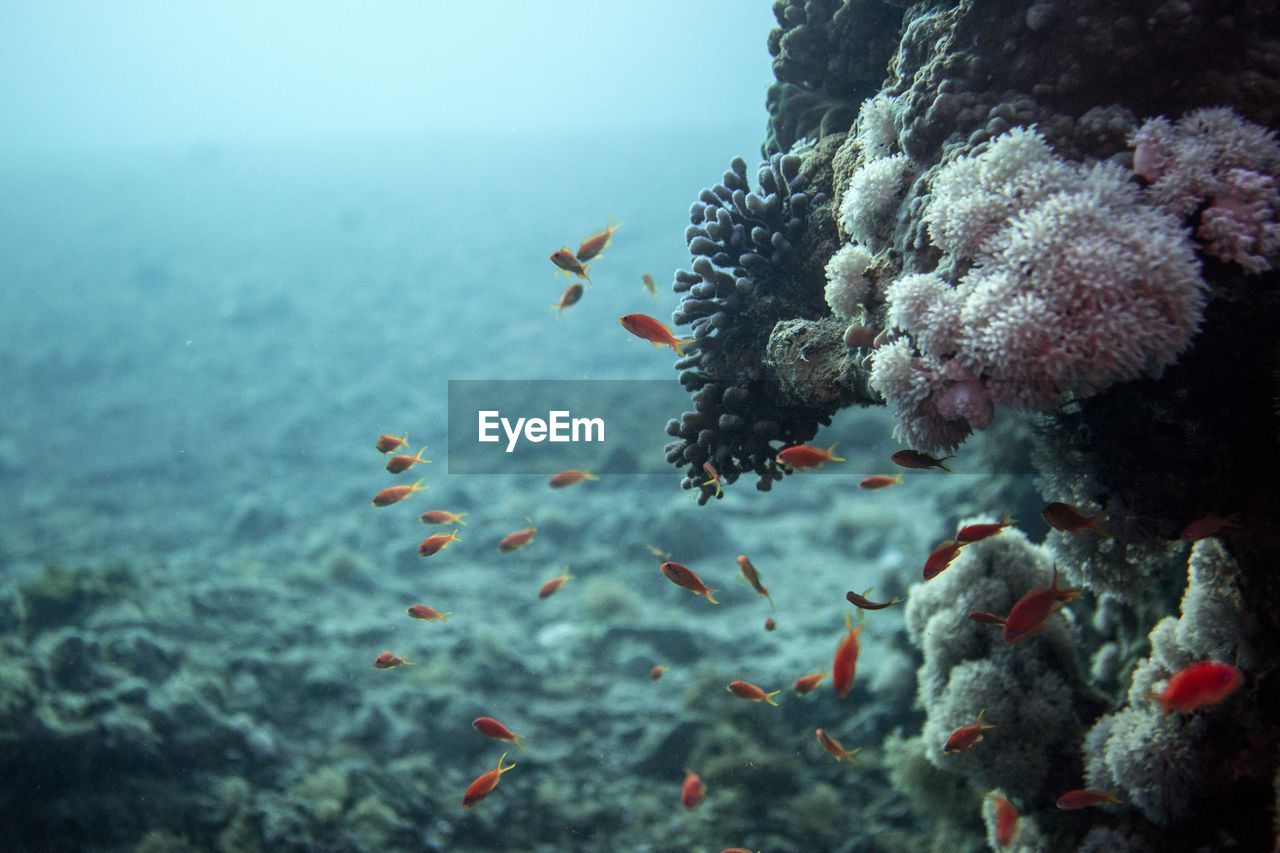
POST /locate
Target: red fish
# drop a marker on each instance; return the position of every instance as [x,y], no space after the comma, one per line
[1199,685]
[646,328]
[388,443]
[1086,798]
[844,666]
[549,588]
[647,280]
[919,459]
[965,737]
[1030,612]
[770,624]
[484,784]
[657,671]
[565,260]
[747,690]
[940,557]
[692,790]
[713,477]
[1006,821]
[403,462]
[395,494]
[569,478]
[440,516]
[436,543]
[835,748]
[429,614]
[1206,526]
[1068,519]
[570,297]
[516,540]
[986,618]
[489,727]
[687,578]
[858,336]
[388,660]
[802,456]
[864,603]
[879,481]
[977,532]
[752,577]
[598,242]
[808,683]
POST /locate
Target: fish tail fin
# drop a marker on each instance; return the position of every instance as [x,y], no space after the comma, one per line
[418,487]
[768,697]
[502,769]
[444,616]
[942,461]
[453,537]
[1113,796]
[831,453]
[678,344]
[771,607]
[418,456]
[516,740]
[460,515]
[982,721]
[407,662]
[851,755]
[587,475]
[586,267]
[707,595]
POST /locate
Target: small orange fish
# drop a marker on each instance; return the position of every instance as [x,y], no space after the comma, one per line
[388,660]
[1086,798]
[971,533]
[1199,685]
[489,727]
[920,459]
[516,540]
[565,260]
[646,328]
[570,297]
[549,588]
[1006,821]
[858,336]
[400,464]
[440,516]
[658,552]
[713,477]
[437,542]
[965,737]
[864,603]
[752,577]
[986,618]
[484,784]
[1068,519]
[802,456]
[1206,526]
[647,280]
[598,242]
[844,666]
[879,481]
[835,748]
[770,624]
[657,671]
[807,683]
[395,494]
[747,690]
[1030,612]
[569,478]
[388,443]
[692,790]
[940,557]
[687,578]
[429,614]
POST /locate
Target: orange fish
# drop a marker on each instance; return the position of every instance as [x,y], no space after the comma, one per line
[940,557]
[647,280]
[807,683]
[845,663]
[1006,821]
[429,614]
[1030,612]
[402,463]
[388,443]
[1206,526]
[388,660]
[565,260]
[516,540]
[395,494]
[752,577]
[1199,685]
[549,588]
[835,748]
[484,784]
[437,542]
[571,295]
[965,737]
[1085,798]
[977,532]
[692,790]
[879,481]
[864,603]
[687,578]
[859,336]
[645,327]
[598,242]
[770,624]
[657,671]
[489,727]
[1068,519]
[802,456]
[570,477]
[747,690]
[919,459]
[986,618]
[713,477]
[440,516]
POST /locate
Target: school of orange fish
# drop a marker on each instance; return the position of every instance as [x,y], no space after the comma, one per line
[1197,686]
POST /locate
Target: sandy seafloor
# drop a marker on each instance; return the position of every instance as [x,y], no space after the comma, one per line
[198,350]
